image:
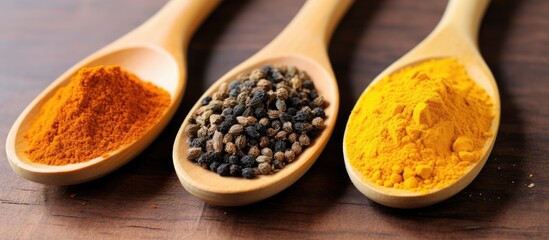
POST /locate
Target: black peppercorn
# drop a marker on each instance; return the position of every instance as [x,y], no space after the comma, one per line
[253,141]
[313,133]
[276,75]
[261,95]
[234,92]
[248,112]
[276,125]
[226,112]
[292,111]
[234,160]
[280,146]
[206,158]
[266,68]
[251,131]
[247,161]
[285,117]
[206,100]
[224,127]
[278,164]
[313,94]
[234,84]
[260,112]
[261,129]
[298,126]
[223,169]
[308,84]
[255,101]
[303,115]
[239,109]
[198,143]
[230,119]
[305,102]
[214,166]
[319,112]
[235,170]
[248,84]
[295,102]
[218,157]
[248,173]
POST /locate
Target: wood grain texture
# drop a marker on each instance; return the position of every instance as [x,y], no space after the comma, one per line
[144,199]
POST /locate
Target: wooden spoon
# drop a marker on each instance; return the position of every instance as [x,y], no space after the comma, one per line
[455,36]
[303,44]
[154,52]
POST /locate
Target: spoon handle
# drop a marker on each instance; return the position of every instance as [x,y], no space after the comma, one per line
[465,15]
[310,30]
[173,25]
[455,35]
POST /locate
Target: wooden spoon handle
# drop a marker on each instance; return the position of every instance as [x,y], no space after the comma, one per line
[172,26]
[455,35]
[465,15]
[310,30]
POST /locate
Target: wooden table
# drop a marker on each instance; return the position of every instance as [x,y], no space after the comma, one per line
[39,39]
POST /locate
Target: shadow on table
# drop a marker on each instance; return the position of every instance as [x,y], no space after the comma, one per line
[498,183]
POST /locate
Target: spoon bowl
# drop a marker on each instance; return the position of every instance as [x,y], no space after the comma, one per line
[232,191]
[150,63]
[302,44]
[455,37]
[158,60]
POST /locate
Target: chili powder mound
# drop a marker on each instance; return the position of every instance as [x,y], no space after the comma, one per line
[102,109]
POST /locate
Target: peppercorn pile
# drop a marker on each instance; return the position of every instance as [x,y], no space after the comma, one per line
[256,124]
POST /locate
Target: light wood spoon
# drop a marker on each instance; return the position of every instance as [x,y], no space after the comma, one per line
[303,44]
[154,51]
[455,36]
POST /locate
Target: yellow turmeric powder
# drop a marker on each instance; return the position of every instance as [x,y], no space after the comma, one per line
[420,128]
[102,109]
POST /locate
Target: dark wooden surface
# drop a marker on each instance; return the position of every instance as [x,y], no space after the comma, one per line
[39,39]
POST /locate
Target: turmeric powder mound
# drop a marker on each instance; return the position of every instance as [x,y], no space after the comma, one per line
[420,128]
[102,109]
